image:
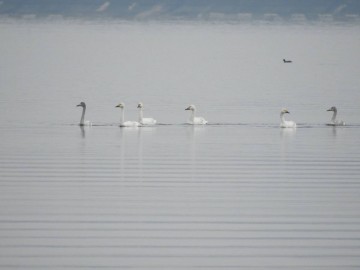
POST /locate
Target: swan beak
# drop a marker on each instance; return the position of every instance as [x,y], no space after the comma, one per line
[138,106]
[329,110]
[117,106]
[78,105]
[187,109]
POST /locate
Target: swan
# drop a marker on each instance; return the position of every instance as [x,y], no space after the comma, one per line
[122,119]
[82,122]
[142,120]
[195,120]
[284,123]
[335,122]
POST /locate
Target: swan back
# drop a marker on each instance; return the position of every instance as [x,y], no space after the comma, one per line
[199,121]
[87,123]
[148,121]
[130,124]
[336,123]
[288,124]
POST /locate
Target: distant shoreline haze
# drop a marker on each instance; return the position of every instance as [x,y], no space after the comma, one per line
[233,10]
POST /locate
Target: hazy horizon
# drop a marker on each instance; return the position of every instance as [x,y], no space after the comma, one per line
[240,10]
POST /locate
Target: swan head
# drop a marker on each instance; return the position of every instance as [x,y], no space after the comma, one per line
[191,108]
[82,104]
[120,105]
[332,109]
[140,105]
[284,111]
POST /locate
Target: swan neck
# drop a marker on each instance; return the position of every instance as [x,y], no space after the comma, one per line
[282,117]
[334,116]
[122,116]
[82,117]
[192,116]
[140,114]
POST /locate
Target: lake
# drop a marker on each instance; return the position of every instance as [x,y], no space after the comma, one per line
[238,193]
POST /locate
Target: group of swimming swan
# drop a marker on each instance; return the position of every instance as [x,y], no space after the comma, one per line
[142,121]
[292,124]
[193,120]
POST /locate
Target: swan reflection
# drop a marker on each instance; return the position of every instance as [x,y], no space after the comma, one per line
[83,134]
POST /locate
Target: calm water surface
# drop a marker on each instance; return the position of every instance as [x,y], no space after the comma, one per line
[239,193]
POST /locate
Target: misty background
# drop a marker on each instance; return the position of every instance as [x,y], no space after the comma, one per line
[237,193]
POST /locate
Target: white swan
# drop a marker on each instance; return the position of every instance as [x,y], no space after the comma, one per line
[284,123]
[122,119]
[82,122]
[195,120]
[142,120]
[335,122]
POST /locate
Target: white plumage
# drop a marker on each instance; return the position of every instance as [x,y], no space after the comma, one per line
[124,123]
[284,123]
[195,120]
[142,120]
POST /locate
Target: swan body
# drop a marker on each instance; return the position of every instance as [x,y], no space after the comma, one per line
[284,123]
[335,122]
[195,120]
[142,120]
[82,121]
[124,123]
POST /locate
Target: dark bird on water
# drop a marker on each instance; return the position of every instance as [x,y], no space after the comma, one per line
[287,61]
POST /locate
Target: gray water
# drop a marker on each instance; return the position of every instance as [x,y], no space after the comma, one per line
[239,193]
